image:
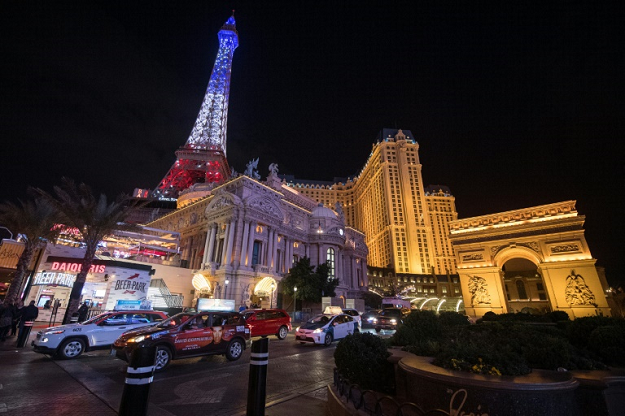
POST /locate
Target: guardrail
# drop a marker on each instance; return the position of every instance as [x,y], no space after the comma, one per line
[374,403]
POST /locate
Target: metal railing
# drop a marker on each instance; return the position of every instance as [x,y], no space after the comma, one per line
[374,403]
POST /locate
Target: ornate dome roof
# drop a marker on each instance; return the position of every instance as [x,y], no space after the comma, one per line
[323,212]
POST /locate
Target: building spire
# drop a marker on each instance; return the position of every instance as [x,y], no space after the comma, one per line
[203,157]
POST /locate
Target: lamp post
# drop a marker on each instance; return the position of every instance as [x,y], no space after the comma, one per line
[5,228]
[294,300]
[273,285]
[226,289]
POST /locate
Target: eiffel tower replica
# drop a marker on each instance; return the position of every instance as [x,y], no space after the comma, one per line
[203,157]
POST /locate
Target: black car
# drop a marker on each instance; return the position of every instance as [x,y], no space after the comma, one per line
[390,318]
[189,335]
[370,318]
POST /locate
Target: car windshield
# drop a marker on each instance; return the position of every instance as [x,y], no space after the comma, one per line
[175,320]
[96,318]
[320,319]
[390,312]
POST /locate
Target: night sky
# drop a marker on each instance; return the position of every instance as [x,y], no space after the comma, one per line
[514,104]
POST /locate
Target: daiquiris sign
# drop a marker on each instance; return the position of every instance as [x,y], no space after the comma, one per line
[54,278]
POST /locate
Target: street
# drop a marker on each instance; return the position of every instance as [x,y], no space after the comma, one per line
[94,382]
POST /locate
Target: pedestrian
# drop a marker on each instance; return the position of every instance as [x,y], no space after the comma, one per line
[29,313]
[83,311]
[7,313]
[47,304]
[242,308]
[19,308]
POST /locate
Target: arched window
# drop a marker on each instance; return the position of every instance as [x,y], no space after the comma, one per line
[330,261]
[520,287]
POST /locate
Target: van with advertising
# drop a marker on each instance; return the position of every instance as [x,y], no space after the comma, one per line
[395,303]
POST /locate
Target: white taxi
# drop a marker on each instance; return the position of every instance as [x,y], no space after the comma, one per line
[325,328]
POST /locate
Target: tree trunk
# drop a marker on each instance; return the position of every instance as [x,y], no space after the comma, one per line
[81,278]
[20,271]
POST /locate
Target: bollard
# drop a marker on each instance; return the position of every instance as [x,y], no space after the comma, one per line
[139,376]
[24,333]
[257,386]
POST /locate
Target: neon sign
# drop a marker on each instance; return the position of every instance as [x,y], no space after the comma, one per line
[77,267]
[58,279]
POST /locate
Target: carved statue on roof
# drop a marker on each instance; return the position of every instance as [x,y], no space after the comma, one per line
[251,169]
[339,210]
[273,169]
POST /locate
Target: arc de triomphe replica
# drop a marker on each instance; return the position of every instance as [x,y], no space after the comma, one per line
[547,237]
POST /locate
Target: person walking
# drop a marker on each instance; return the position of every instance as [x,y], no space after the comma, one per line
[7,312]
[83,311]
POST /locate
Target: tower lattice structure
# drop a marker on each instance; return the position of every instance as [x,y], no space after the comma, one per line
[203,157]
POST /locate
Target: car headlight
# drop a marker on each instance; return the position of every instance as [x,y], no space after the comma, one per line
[393,321]
[136,339]
[60,331]
[374,320]
[297,329]
[318,330]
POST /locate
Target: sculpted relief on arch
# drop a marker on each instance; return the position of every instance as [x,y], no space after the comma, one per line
[577,291]
[266,206]
[479,291]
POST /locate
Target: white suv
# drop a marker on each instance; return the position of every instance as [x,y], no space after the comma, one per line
[99,332]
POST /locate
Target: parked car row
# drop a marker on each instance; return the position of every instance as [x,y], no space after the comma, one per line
[192,334]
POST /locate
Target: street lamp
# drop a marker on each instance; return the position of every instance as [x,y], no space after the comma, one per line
[294,299]
[5,228]
[273,285]
[226,289]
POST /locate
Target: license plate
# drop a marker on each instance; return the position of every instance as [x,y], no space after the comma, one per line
[302,337]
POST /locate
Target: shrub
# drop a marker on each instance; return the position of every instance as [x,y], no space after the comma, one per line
[608,342]
[578,331]
[452,319]
[418,326]
[363,359]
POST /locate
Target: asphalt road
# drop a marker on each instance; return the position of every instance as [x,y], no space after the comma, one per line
[93,383]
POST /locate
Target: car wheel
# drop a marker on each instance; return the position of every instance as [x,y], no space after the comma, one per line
[163,357]
[235,350]
[378,329]
[282,332]
[327,340]
[71,348]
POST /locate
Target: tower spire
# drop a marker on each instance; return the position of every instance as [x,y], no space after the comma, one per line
[203,157]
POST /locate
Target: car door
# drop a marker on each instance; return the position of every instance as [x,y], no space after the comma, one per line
[339,328]
[194,337]
[218,322]
[111,328]
[258,323]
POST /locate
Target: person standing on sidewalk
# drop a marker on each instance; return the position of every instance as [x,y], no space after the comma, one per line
[7,312]
[19,308]
[83,311]
[29,313]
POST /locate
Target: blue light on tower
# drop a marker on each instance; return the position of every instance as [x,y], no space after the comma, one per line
[209,131]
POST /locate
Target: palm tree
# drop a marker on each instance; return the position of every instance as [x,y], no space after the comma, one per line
[94,218]
[35,220]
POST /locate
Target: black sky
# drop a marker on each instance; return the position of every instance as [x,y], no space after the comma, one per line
[514,104]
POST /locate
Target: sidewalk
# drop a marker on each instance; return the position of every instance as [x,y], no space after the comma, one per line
[63,394]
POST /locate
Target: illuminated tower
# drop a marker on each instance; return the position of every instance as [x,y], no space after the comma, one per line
[406,225]
[203,157]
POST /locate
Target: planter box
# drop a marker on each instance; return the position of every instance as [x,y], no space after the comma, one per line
[539,393]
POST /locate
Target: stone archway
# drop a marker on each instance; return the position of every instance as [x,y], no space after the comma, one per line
[548,236]
[265,292]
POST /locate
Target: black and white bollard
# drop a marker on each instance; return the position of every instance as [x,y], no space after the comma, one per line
[139,377]
[257,386]
[24,333]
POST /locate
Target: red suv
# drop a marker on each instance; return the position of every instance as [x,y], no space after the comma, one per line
[189,335]
[268,322]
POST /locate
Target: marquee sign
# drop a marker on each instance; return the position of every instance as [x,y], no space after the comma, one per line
[54,278]
[76,267]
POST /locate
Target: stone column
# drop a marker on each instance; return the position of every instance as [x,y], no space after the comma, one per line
[274,254]
[230,242]
[250,243]
[270,244]
[307,250]
[224,248]
[246,231]
[210,245]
